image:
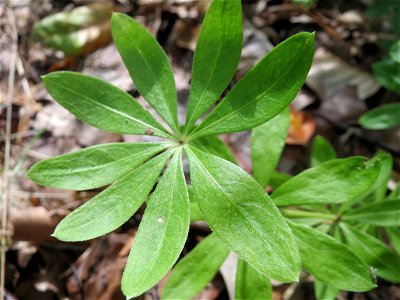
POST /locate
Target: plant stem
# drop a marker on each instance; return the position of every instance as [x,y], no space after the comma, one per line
[294,213]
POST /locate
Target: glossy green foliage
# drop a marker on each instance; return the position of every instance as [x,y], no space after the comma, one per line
[251,224]
[93,167]
[240,212]
[115,205]
[268,88]
[331,261]
[162,232]
[322,151]
[334,181]
[267,142]
[250,284]
[374,252]
[382,117]
[196,269]
[101,104]
[148,66]
[216,57]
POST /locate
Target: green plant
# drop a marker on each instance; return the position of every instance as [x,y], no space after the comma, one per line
[238,210]
[364,223]
[313,215]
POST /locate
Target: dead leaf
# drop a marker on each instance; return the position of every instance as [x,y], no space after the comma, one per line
[301,129]
[329,73]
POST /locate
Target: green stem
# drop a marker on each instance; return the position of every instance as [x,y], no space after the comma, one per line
[292,213]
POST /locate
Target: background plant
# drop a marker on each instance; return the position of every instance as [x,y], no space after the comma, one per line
[133,169]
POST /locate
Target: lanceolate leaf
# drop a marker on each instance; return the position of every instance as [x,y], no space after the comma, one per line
[196,269]
[243,216]
[334,181]
[382,117]
[101,104]
[162,232]
[216,57]
[331,261]
[267,142]
[148,65]
[92,167]
[265,90]
[384,213]
[322,151]
[250,284]
[214,145]
[112,207]
[374,252]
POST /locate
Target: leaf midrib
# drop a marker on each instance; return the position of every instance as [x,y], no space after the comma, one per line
[209,80]
[117,112]
[77,171]
[257,98]
[238,209]
[173,122]
[164,229]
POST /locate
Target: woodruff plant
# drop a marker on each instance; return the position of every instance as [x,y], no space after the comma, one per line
[236,207]
[315,202]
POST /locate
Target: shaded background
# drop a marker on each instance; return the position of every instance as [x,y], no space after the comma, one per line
[343,83]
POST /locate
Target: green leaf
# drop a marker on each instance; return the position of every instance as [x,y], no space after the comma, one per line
[243,216]
[267,142]
[214,145]
[265,90]
[250,284]
[395,194]
[112,207]
[387,73]
[380,185]
[325,292]
[383,117]
[195,214]
[148,65]
[162,232]
[192,273]
[322,151]
[384,213]
[334,181]
[394,236]
[331,261]
[92,167]
[374,252]
[277,179]
[395,51]
[101,104]
[216,57]
[75,32]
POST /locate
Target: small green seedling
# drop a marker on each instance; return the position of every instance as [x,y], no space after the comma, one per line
[236,207]
[303,200]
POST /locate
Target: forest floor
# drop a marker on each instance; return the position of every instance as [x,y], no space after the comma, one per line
[339,88]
